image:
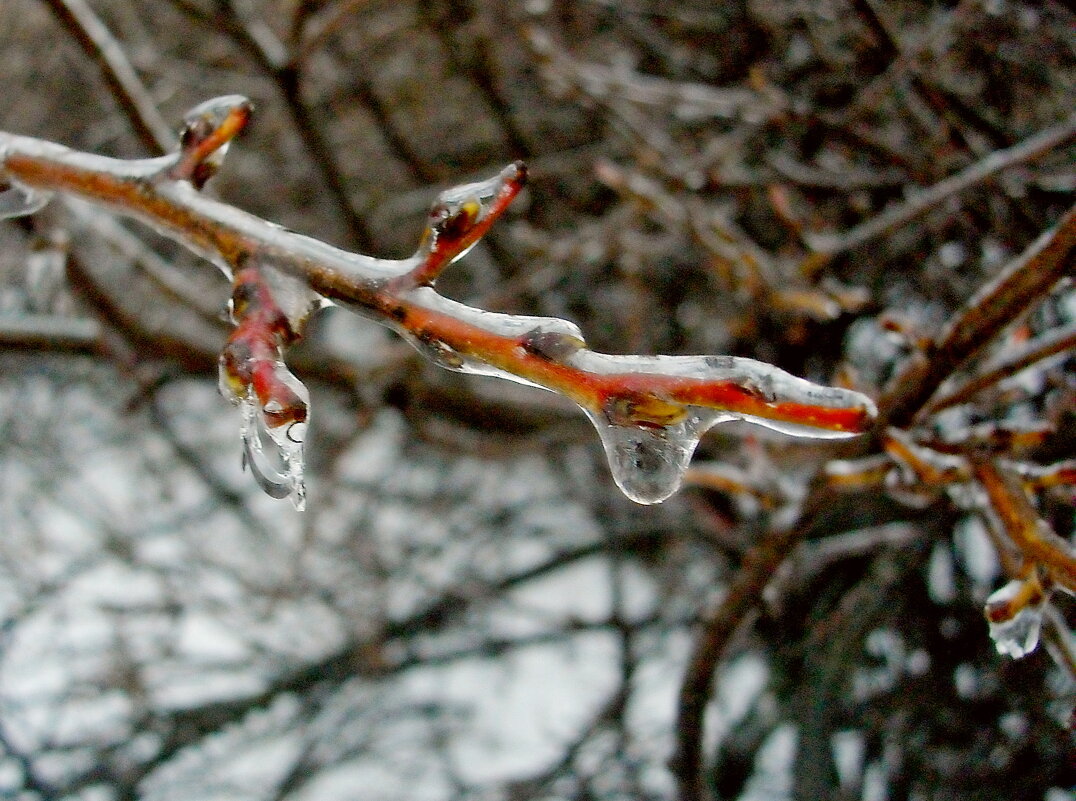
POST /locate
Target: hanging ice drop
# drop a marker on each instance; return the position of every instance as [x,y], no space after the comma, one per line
[1014,613]
[273,436]
[18,201]
[648,463]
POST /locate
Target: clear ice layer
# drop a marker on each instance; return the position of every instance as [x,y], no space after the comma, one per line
[647,459]
[274,453]
[18,201]
[1018,635]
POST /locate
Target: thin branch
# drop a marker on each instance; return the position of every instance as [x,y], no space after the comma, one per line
[1023,281]
[741,601]
[284,69]
[50,332]
[310,32]
[831,244]
[691,100]
[127,88]
[1022,524]
[1042,347]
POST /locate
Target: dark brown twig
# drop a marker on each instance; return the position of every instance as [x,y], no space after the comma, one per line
[272,58]
[1042,347]
[49,332]
[1021,283]
[744,594]
[1037,543]
[831,244]
[123,82]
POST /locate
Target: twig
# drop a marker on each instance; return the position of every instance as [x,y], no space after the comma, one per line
[1020,284]
[830,244]
[49,332]
[311,30]
[744,595]
[1022,524]
[696,100]
[133,97]
[1042,347]
[273,59]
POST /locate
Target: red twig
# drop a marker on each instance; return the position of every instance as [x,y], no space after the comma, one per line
[644,392]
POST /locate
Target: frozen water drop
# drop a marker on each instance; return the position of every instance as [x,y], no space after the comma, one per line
[1019,636]
[274,456]
[1014,613]
[648,463]
[18,201]
[272,445]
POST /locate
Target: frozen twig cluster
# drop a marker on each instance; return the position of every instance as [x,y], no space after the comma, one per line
[650,411]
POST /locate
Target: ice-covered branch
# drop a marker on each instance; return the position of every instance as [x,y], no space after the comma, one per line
[650,411]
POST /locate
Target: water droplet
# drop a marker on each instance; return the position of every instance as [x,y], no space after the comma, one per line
[648,462]
[18,201]
[273,438]
[1014,613]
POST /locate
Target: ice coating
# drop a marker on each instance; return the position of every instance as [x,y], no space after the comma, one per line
[268,309]
[1014,613]
[272,446]
[457,220]
[290,294]
[18,201]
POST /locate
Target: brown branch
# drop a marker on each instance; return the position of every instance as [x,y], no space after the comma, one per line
[285,70]
[49,332]
[831,244]
[1042,347]
[127,88]
[1021,523]
[742,599]
[1021,283]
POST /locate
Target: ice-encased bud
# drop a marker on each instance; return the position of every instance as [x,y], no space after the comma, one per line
[1014,613]
[19,201]
[206,134]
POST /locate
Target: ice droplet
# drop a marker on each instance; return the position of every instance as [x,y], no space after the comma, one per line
[273,450]
[1015,631]
[648,463]
[18,201]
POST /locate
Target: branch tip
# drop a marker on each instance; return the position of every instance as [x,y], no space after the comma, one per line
[458,219]
[207,130]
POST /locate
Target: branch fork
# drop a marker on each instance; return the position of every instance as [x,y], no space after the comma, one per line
[650,411]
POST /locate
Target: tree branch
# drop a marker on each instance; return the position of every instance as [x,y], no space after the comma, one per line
[99,44]
[1021,283]
[919,203]
[650,411]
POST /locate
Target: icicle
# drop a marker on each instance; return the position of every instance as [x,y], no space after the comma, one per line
[273,432]
[1014,613]
[660,407]
[18,201]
